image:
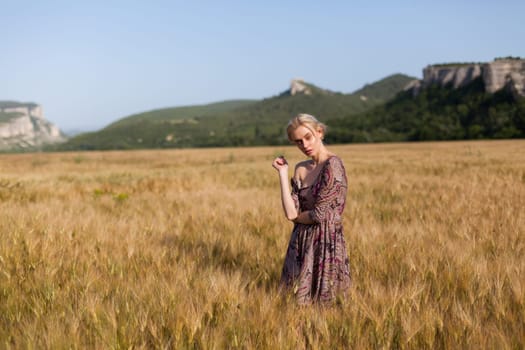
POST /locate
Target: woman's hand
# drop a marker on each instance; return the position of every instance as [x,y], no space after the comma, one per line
[280,163]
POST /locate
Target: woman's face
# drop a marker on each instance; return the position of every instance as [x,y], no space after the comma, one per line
[308,140]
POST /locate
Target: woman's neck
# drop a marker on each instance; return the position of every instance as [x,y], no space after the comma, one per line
[321,156]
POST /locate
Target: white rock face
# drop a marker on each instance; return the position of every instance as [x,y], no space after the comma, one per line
[24,126]
[496,75]
[456,76]
[297,86]
[501,73]
[414,86]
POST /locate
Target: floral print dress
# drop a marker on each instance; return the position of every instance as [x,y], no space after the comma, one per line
[316,267]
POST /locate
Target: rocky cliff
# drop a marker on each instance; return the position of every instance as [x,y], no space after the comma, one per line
[505,73]
[23,126]
[499,74]
[299,87]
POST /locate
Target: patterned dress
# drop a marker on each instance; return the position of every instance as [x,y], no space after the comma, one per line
[316,266]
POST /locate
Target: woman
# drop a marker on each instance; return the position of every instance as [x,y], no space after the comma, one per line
[316,266]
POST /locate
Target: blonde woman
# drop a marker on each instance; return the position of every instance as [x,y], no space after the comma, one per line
[316,266]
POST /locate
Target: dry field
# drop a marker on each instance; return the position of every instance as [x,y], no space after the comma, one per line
[183,249]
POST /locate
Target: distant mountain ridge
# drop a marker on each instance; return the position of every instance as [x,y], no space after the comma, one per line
[459,101]
[453,101]
[237,122]
[23,127]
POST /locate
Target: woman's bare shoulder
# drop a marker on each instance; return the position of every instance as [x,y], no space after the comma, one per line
[305,164]
[301,169]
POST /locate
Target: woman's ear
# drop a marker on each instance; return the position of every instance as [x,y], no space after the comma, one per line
[321,133]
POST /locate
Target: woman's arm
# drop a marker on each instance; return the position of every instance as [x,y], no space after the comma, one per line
[304,217]
[290,211]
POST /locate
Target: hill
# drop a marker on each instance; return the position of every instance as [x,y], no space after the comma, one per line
[438,113]
[181,113]
[455,101]
[235,123]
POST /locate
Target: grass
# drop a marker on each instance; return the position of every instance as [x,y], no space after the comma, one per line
[183,249]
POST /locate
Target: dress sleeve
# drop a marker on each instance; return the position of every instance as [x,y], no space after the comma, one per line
[330,191]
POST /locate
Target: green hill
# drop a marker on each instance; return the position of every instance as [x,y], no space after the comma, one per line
[437,113]
[181,113]
[385,89]
[234,123]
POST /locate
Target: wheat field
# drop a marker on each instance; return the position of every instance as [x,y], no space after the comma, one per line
[174,249]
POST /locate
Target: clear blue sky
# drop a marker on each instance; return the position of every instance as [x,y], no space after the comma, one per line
[93,62]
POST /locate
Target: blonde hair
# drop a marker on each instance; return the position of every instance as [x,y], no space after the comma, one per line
[306,120]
